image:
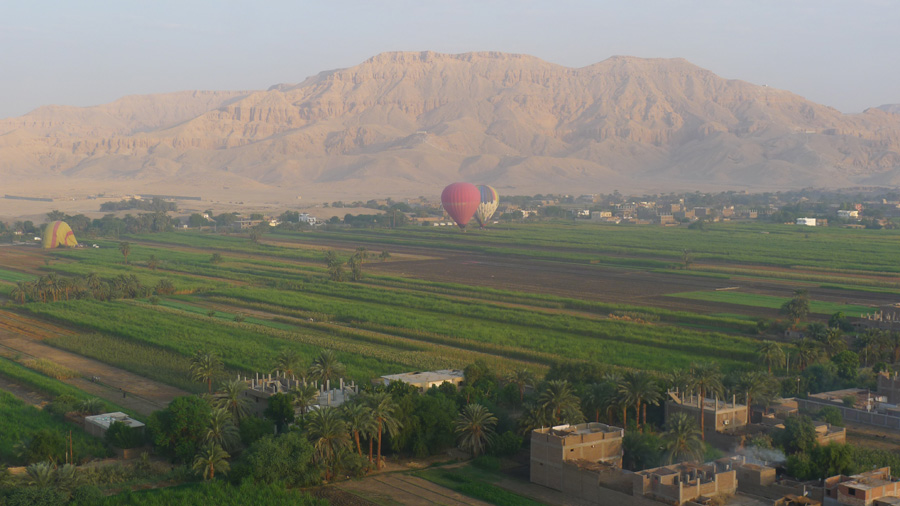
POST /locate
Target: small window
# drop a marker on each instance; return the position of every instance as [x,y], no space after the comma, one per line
[852,491]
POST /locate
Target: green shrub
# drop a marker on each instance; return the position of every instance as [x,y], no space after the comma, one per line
[506,444]
[122,436]
[487,462]
[831,415]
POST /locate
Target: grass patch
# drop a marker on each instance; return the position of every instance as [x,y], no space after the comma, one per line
[770,301]
[50,368]
[19,421]
[475,483]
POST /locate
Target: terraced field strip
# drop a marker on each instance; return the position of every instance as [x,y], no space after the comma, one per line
[459,355]
[409,491]
[771,301]
[31,327]
[15,276]
[117,385]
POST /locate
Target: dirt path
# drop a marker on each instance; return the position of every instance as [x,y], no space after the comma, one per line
[407,490]
[117,385]
[859,434]
[23,392]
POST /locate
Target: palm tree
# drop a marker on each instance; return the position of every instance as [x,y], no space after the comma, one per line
[707,379]
[222,430]
[834,341]
[305,396]
[558,400]
[682,440]
[231,397]
[383,409]
[599,397]
[41,474]
[360,420]
[329,435]
[289,362]
[19,292]
[816,331]
[521,378]
[808,352]
[770,353]
[893,343]
[204,367]
[326,367]
[681,380]
[335,267]
[210,458]
[475,426]
[640,388]
[67,478]
[125,249]
[756,385]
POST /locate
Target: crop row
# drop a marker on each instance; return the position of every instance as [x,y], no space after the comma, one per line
[54,388]
[619,343]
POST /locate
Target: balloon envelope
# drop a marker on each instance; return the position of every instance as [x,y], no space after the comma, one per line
[460,200]
[58,233]
[488,205]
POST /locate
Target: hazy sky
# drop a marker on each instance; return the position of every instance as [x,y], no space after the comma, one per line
[845,54]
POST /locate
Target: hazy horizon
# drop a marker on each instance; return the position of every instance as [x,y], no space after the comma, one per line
[831,52]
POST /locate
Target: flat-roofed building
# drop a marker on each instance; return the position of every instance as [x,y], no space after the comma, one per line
[97,425]
[425,379]
[680,483]
[718,415]
[596,443]
[876,487]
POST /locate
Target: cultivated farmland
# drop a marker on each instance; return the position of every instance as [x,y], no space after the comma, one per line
[522,296]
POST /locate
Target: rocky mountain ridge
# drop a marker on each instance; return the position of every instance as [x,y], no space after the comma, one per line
[408,122]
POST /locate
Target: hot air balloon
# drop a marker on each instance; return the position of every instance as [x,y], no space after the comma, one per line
[489,202]
[58,233]
[460,200]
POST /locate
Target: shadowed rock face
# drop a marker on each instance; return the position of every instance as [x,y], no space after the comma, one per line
[409,122]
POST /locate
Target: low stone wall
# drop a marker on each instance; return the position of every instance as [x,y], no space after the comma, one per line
[854,415]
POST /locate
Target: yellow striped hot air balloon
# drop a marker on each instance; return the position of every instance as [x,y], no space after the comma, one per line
[490,199]
[59,233]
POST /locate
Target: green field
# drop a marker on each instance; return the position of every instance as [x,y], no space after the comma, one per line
[772,302]
[19,421]
[280,292]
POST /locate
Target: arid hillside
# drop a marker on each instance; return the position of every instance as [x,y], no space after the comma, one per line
[408,123]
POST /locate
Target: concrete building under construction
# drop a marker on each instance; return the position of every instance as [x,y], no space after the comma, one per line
[718,415]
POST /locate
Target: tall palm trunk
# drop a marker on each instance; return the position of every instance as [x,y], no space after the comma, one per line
[356,438]
[644,415]
[749,402]
[371,447]
[702,418]
[378,464]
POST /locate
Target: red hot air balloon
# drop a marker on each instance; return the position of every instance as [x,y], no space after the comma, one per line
[460,200]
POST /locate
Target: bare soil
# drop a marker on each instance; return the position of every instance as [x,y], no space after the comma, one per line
[117,385]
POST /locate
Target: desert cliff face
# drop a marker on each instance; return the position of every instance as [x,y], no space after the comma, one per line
[409,122]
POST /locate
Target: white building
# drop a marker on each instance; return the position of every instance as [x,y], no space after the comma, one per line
[425,380]
[809,222]
[854,214]
[97,425]
[306,218]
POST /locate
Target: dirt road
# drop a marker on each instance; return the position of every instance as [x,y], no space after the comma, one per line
[127,389]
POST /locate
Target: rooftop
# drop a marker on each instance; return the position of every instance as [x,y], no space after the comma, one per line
[426,376]
[579,429]
[107,419]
